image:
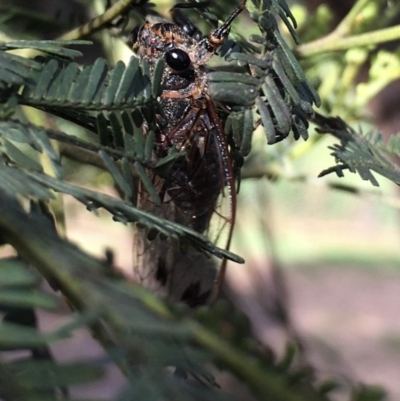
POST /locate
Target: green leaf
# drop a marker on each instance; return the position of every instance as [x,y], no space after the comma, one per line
[369,393]
[116,174]
[102,129]
[157,77]
[130,81]
[241,125]
[47,75]
[20,158]
[266,121]
[155,197]
[48,46]
[16,336]
[77,90]
[359,153]
[138,134]
[14,272]
[47,375]
[68,77]
[97,75]
[15,182]
[233,93]
[15,69]
[278,106]
[149,145]
[114,83]
[28,299]
[116,130]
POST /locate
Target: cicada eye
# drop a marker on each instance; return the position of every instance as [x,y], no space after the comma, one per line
[178,60]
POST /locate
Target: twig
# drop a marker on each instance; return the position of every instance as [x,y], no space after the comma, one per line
[335,44]
[265,384]
[99,22]
[341,38]
[274,174]
[352,19]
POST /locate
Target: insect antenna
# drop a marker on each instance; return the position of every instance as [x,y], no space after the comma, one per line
[219,35]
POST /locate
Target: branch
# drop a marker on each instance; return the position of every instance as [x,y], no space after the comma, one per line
[265,384]
[341,38]
[333,43]
[99,22]
[354,17]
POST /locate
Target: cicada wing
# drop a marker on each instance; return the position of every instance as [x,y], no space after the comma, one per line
[222,221]
[197,193]
[152,259]
[159,263]
[208,204]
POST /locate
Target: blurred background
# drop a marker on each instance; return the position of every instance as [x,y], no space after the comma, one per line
[322,263]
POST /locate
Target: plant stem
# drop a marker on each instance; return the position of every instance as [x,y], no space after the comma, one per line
[347,24]
[333,43]
[341,39]
[99,22]
[265,384]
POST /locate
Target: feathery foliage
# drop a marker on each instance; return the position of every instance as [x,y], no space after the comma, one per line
[360,153]
[260,84]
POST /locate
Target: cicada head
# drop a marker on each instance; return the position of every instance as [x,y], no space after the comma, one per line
[181,43]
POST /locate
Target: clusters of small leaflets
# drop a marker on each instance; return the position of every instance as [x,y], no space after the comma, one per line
[272,82]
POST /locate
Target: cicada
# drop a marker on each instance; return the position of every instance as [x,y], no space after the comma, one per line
[200,180]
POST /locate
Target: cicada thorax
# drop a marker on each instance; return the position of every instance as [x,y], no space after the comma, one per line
[191,188]
[194,180]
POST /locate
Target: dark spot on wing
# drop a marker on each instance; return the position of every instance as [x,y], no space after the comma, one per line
[162,272]
[192,296]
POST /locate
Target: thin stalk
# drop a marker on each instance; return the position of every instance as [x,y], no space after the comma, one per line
[351,20]
[332,43]
[99,22]
[266,385]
